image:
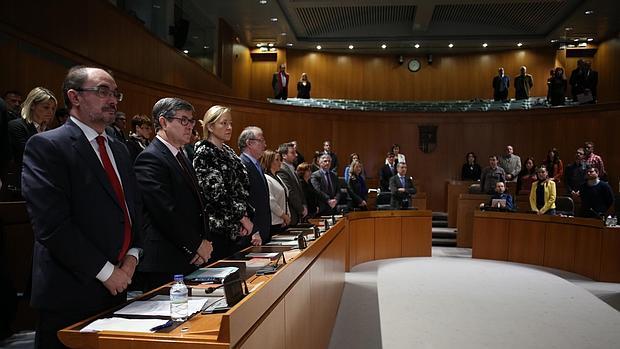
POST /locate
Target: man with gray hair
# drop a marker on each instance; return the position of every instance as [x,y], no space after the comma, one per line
[511,163]
[252,145]
[176,231]
[326,183]
[117,129]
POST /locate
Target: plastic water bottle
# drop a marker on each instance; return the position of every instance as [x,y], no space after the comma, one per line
[178,299]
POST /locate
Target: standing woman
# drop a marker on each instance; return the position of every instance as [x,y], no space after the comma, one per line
[526,177]
[357,186]
[470,171]
[37,111]
[304,172]
[542,194]
[278,192]
[303,87]
[224,182]
[557,87]
[400,158]
[555,165]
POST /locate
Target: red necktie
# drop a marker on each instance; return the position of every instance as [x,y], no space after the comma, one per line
[116,185]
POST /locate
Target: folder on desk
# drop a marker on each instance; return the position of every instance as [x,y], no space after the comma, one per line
[215,275]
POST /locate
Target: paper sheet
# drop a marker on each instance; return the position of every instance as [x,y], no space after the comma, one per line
[158,307]
[121,324]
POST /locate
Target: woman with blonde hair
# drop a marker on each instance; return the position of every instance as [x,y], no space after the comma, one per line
[357,186]
[224,183]
[278,192]
[37,111]
[303,87]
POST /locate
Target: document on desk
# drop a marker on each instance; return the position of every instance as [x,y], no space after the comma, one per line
[283,243]
[125,325]
[216,275]
[262,254]
[157,306]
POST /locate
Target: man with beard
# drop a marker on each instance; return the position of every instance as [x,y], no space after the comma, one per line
[81,195]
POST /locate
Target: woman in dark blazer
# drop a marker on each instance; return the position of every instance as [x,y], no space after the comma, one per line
[471,170]
[304,173]
[303,87]
[357,187]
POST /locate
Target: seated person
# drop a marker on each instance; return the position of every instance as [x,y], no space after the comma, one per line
[357,186]
[500,194]
[326,183]
[542,194]
[596,195]
[491,175]
[402,188]
[387,171]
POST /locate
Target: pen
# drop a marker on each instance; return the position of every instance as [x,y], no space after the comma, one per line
[162,326]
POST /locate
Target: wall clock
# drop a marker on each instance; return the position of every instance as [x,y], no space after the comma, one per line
[414,65]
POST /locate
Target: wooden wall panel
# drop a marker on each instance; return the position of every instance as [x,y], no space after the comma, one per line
[490,239]
[526,242]
[559,247]
[416,242]
[388,238]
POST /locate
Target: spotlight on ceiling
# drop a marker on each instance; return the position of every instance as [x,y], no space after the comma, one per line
[273,19]
[289,44]
[590,39]
[485,45]
[262,2]
[186,51]
[416,45]
[589,12]
[384,46]
[520,44]
[318,47]
[351,47]
[451,45]
[270,44]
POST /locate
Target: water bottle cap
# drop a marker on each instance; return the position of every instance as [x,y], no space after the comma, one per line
[178,277]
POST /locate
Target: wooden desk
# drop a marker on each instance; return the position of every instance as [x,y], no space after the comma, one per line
[453,190]
[419,201]
[467,205]
[578,245]
[294,308]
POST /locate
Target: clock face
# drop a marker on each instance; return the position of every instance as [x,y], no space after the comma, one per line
[414,65]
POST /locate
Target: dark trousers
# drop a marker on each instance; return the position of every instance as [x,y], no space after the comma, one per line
[500,95]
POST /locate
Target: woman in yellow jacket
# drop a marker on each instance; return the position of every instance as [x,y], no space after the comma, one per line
[542,194]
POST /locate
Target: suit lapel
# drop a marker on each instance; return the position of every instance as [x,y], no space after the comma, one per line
[120,160]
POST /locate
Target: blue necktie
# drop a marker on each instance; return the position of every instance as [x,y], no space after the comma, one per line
[402,181]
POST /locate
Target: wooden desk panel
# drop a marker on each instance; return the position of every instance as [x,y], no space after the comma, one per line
[526,242]
[362,235]
[454,189]
[560,247]
[297,306]
[270,333]
[416,240]
[467,205]
[388,242]
[610,256]
[490,240]
[588,251]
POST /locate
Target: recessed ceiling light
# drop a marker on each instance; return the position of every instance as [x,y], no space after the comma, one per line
[205,47]
[571,45]
[589,12]
[554,40]
[520,44]
[283,34]
[273,19]
[262,2]
[318,47]
[273,49]
[186,51]
[451,45]
[289,44]
[270,44]
[351,47]
[590,39]
[485,45]
[568,28]
[583,44]
[575,40]
[384,46]
[416,45]
[260,44]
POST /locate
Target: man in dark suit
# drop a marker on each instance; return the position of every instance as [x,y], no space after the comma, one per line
[326,183]
[327,149]
[501,83]
[296,198]
[402,188]
[590,78]
[176,234]
[81,195]
[117,129]
[387,171]
[252,146]
[279,82]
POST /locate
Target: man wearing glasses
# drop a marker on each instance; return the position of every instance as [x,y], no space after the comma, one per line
[176,237]
[81,195]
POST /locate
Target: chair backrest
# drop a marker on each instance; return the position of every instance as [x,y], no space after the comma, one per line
[564,205]
[384,198]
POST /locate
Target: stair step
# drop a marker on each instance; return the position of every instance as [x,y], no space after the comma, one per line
[444,242]
[444,235]
[440,224]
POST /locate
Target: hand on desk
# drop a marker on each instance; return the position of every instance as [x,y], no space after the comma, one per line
[117,282]
[256,239]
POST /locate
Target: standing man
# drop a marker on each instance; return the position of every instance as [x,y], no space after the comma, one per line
[252,145]
[118,127]
[576,80]
[279,82]
[596,195]
[387,171]
[296,198]
[327,149]
[523,84]
[176,239]
[511,163]
[501,83]
[326,183]
[300,157]
[81,195]
[402,188]
[575,173]
[490,176]
[590,80]
[13,101]
[594,160]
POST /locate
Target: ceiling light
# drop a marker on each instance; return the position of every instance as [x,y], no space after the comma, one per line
[205,47]
[575,40]
[318,47]
[186,51]
[384,46]
[568,28]
[571,45]
[485,45]
[416,45]
[590,39]
[583,44]
[451,45]
[520,44]
[589,12]
[270,44]
[283,34]
[263,49]
[273,49]
[273,19]
[262,2]
[554,40]
[157,6]
[289,44]
[351,47]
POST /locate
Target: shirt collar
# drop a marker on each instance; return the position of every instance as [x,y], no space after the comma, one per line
[174,150]
[88,131]
[252,158]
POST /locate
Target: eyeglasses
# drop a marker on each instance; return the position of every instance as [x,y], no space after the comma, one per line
[184,121]
[258,140]
[103,92]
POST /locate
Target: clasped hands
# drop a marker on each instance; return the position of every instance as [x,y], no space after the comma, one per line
[203,254]
[121,276]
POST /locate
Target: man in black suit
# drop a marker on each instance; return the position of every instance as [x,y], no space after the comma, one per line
[279,82]
[327,149]
[326,183]
[402,188]
[296,198]
[176,234]
[387,171]
[81,195]
[252,146]
[118,127]
[590,78]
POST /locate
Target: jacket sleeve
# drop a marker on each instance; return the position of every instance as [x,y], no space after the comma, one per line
[550,203]
[533,197]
